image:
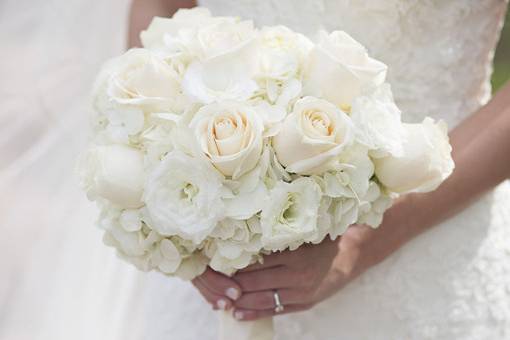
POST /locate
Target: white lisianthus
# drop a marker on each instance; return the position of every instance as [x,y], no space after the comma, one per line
[282,53]
[113,172]
[230,135]
[183,197]
[311,136]
[139,79]
[425,163]
[378,122]
[339,68]
[290,215]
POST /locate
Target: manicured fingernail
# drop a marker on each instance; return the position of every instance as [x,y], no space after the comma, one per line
[222,304]
[238,315]
[232,293]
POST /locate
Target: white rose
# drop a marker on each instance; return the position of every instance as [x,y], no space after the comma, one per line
[182,25]
[290,215]
[138,79]
[230,135]
[115,173]
[378,122]
[183,197]
[282,53]
[339,68]
[227,52]
[311,136]
[425,163]
[224,36]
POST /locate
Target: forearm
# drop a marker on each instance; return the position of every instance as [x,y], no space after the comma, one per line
[142,12]
[481,147]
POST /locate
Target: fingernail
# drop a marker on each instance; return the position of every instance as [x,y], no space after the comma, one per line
[232,293]
[238,315]
[222,304]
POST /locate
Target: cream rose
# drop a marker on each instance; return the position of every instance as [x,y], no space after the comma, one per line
[139,79]
[339,68]
[311,136]
[426,160]
[230,135]
[114,172]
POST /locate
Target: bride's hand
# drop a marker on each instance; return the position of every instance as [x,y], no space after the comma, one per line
[217,289]
[303,277]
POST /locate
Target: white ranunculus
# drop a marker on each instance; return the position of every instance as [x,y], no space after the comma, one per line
[426,160]
[282,53]
[139,79]
[113,172]
[290,215]
[182,25]
[183,197]
[230,135]
[339,68]
[378,122]
[227,60]
[311,136]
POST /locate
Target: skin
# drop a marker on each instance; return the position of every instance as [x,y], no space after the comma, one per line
[309,275]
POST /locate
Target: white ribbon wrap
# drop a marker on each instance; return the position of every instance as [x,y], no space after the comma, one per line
[231,329]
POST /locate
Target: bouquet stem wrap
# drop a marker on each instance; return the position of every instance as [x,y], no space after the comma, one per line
[232,329]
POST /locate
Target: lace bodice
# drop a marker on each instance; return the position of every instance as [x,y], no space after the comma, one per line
[439,52]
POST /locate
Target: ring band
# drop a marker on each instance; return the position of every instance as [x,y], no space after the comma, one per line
[277,303]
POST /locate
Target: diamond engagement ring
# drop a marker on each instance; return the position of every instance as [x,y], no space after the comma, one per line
[277,303]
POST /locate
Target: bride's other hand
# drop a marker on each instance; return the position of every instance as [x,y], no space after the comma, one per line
[218,289]
[481,150]
[303,277]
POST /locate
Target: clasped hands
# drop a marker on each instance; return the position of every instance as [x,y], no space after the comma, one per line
[302,278]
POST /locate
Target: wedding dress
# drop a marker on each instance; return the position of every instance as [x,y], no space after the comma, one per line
[59,281]
[453,282]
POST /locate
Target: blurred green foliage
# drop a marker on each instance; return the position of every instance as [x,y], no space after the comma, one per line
[502,58]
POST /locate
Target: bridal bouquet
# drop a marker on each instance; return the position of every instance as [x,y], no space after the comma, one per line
[219,142]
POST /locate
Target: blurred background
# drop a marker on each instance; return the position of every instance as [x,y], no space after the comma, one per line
[56,275]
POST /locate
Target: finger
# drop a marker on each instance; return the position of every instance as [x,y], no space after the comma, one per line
[267,279]
[250,315]
[269,261]
[220,284]
[265,300]
[217,301]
